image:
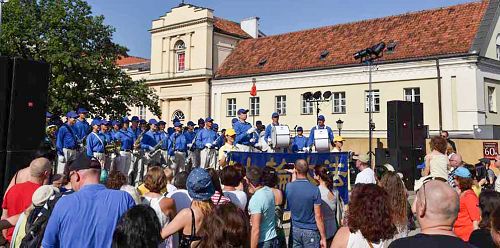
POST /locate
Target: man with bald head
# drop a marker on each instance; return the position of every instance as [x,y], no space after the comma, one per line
[455,162]
[436,207]
[18,197]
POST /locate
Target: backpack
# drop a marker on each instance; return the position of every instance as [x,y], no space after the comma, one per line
[37,222]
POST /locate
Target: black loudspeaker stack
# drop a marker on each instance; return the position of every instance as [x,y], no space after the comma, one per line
[406,135]
[23,103]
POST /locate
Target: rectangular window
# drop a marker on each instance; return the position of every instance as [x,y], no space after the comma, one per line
[492,99]
[254,106]
[281,105]
[231,107]
[307,107]
[338,99]
[181,58]
[412,94]
[142,112]
[375,95]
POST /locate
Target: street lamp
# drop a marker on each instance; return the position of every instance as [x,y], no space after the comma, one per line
[340,124]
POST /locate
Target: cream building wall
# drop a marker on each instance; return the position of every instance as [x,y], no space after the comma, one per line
[462,98]
[187,91]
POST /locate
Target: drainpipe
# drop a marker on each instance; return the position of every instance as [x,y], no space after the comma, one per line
[440,108]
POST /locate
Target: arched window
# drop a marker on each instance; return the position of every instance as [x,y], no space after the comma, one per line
[498,46]
[180,53]
[179,115]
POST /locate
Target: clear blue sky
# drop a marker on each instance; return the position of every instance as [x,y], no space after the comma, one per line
[132,18]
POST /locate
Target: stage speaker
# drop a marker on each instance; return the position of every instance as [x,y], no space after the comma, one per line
[419,130]
[5,82]
[28,103]
[382,156]
[399,132]
[405,161]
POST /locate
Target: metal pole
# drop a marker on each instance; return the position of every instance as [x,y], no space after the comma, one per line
[370,99]
[1,3]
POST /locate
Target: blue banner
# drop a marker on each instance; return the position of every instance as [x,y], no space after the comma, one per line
[337,162]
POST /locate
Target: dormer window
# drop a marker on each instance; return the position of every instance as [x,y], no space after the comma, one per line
[180,53]
[262,62]
[391,47]
[324,54]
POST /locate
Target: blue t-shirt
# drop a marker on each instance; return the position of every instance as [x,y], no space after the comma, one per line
[301,196]
[262,202]
[86,218]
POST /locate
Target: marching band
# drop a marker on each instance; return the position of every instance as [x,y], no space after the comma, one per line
[131,146]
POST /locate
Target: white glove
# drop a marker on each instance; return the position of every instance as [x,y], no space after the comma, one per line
[189,146]
[151,148]
[61,159]
[208,145]
[252,140]
[306,149]
[269,140]
[251,130]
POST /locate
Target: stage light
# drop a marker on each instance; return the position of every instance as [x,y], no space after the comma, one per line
[378,49]
[317,95]
[327,94]
[307,96]
[361,54]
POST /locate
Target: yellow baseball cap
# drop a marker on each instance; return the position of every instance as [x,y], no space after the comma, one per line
[338,138]
[230,132]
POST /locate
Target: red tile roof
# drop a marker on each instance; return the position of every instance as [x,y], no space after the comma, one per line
[449,30]
[131,60]
[229,27]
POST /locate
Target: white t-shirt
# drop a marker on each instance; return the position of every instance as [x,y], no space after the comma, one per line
[181,198]
[366,176]
[238,197]
[171,188]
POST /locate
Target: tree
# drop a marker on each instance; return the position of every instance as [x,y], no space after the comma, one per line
[82,55]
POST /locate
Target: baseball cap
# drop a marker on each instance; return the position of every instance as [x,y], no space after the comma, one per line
[362,157]
[230,132]
[321,118]
[116,122]
[134,118]
[275,115]
[199,185]
[177,124]
[125,120]
[215,126]
[300,129]
[242,111]
[142,121]
[201,121]
[162,123]
[258,123]
[82,111]
[338,138]
[95,122]
[48,115]
[83,162]
[190,123]
[153,122]
[209,119]
[72,114]
[462,172]
[104,122]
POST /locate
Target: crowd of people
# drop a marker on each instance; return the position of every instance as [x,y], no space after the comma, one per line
[165,196]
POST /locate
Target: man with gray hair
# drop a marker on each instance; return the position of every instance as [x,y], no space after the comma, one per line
[436,207]
[455,162]
[18,197]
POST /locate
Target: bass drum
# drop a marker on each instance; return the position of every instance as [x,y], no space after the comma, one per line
[280,137]
[321,140]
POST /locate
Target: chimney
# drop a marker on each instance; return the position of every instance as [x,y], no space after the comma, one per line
[251,26]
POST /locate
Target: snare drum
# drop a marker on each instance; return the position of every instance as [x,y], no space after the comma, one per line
[280,137]
[321,140]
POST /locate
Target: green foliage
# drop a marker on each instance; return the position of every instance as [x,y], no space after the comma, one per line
[82,56]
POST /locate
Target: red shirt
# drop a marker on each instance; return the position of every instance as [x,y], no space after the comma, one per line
[17,199]
[469,212]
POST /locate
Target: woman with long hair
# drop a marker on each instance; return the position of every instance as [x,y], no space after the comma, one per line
[468,215]
[328,201]
[155,181]
[436,162]
[226,227]
[189,220]
[138,227]
[489,200]
[369,219]
[396,190]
